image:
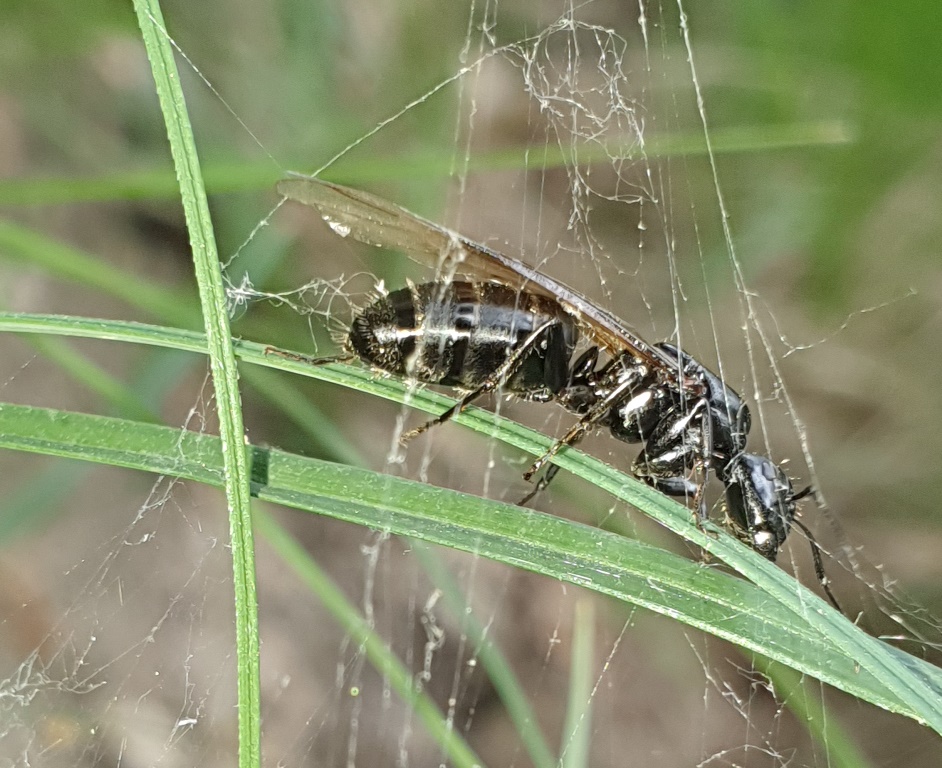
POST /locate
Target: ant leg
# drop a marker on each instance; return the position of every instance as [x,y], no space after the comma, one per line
[504,372]
[706,462]
[581,427]
[823,579]
[572,437]
[306,359]
[670,455]
[816,549]
[804,493]
[540,485]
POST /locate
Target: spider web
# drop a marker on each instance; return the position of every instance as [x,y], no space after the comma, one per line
[601,189]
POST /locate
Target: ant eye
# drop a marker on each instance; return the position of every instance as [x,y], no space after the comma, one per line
[763,541]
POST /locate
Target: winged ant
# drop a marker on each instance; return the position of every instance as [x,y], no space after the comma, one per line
[512,327]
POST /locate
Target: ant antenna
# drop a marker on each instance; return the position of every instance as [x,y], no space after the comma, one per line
[816,551]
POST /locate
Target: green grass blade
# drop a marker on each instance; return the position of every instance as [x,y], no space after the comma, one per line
[577,731]
[223,367]
[489,656]
[705,598]
[382,659]
[91,376]
[32,506]
[67,263]
[839,749]
[155,183]
[235,177]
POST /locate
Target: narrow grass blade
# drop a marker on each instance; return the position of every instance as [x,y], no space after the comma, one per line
[577,732]
[614,565]
[380,656]
[223,366]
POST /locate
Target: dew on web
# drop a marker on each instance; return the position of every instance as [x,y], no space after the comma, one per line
[578,139]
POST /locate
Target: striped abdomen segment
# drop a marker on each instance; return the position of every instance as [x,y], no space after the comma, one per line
[459,334]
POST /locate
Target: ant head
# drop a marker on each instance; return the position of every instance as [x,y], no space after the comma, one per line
[760,502]
[762,505]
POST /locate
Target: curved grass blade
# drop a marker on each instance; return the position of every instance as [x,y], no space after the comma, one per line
[804,609]
[614,565]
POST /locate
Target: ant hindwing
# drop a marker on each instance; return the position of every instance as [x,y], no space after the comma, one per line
[511,327]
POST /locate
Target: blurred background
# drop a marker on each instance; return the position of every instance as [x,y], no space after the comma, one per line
[570,138]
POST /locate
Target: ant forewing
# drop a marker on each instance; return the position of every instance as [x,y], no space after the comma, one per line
[374,221]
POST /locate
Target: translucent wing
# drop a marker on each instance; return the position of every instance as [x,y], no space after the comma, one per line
[370,219]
